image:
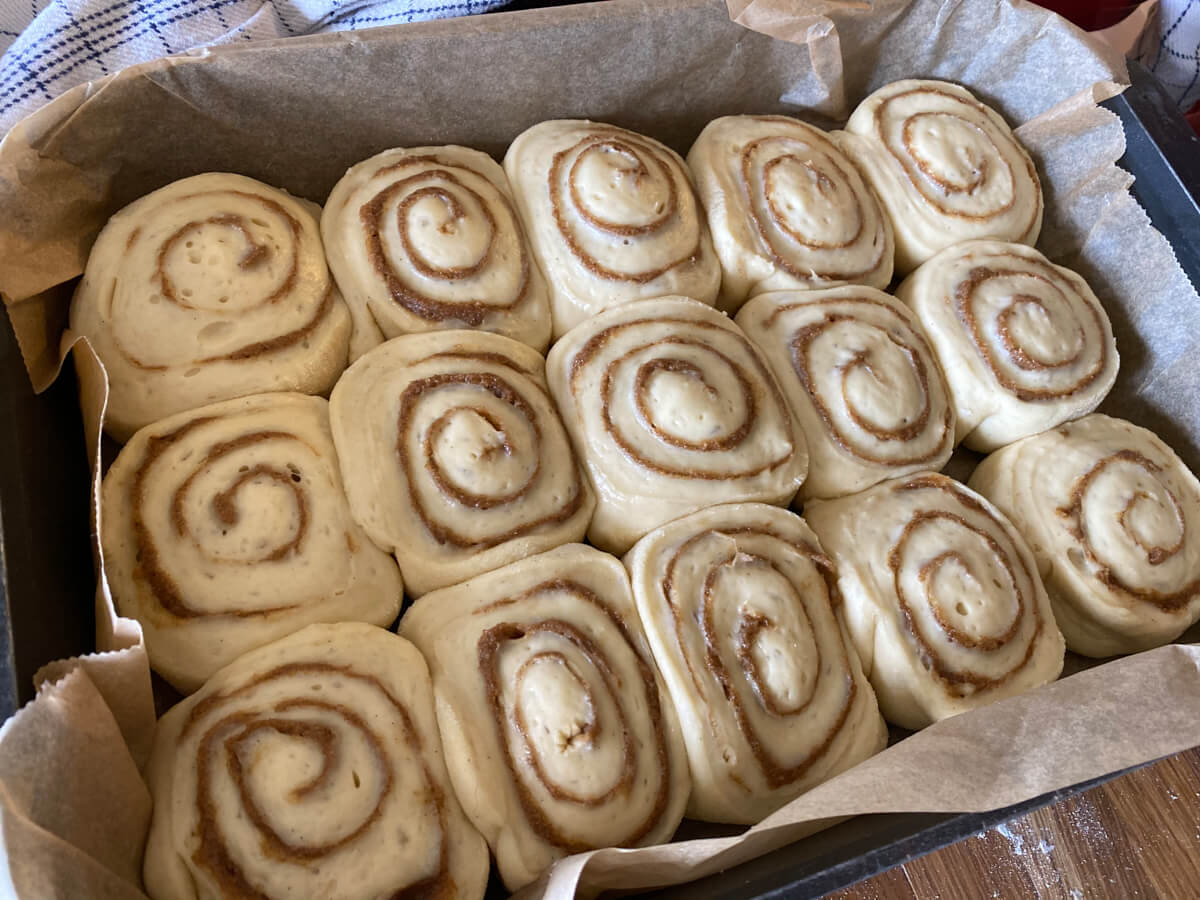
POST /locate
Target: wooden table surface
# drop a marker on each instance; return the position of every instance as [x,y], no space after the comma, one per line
[1135,836]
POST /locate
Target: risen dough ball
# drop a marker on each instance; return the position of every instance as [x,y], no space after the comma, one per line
[941,597]
[310,767]
[787,209]
[558,737]
[947,168]
[209,288]
[1113,516]
[1024,343]
[612,216]
[672,409]
[738,603]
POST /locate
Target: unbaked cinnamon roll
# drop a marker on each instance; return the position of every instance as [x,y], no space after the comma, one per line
[209,288]
[1024,343]
[864,384]
[227,527]
[947,168]
[672,409]
[941,597]
[787,209]
[738,602]
[427,238]
[454,457]
[1113,516]
[558,738]
[310,767]
[612,217]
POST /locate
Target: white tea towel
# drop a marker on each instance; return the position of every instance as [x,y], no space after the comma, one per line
[1170,48]
[52,45]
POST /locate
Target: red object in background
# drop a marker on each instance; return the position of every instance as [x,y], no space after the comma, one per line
[1091,15]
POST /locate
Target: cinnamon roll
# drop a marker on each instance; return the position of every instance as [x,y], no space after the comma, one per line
[427,238]
[612,217]
[672,409]
[941,597]
[947,168]
[209,288]
[1025,344]
[863,383]
[1113,517]
[558,738]
[227,527]
[738,604]
[454,456]
[787,209]
[310,767]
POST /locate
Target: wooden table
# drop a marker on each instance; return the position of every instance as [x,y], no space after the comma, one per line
[1135,836]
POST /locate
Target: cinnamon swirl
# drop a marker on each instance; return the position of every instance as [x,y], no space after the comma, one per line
[1024,343]
[738,604]
[672,409]
[209,288]
[558,737]
[1113,516]
[227,527]
[787,209]
[941,597]
[310,767]
[612,216]
[427,238]
[947,168]
[864,384]
[454,456]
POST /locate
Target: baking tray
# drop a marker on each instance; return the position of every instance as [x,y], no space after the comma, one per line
[46,611]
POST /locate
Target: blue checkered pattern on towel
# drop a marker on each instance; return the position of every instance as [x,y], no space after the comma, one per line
[1170,48]
[52,45]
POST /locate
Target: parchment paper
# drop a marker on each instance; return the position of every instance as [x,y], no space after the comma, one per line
[297,113]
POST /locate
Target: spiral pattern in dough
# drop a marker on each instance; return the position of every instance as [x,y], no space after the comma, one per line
[454,456]
[212,287]
[947,168]
[1025,344]
[427,238]
[738,604]
[612,216]
[942,597]
[672,409]
[787,209]
[310,767]
[227,527]
[864,384]
[557,737]
[1113,516]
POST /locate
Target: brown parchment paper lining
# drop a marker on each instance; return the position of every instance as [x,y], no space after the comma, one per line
[297,113]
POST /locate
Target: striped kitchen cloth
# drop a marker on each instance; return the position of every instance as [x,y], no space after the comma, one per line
[1170,48]
[52,45]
